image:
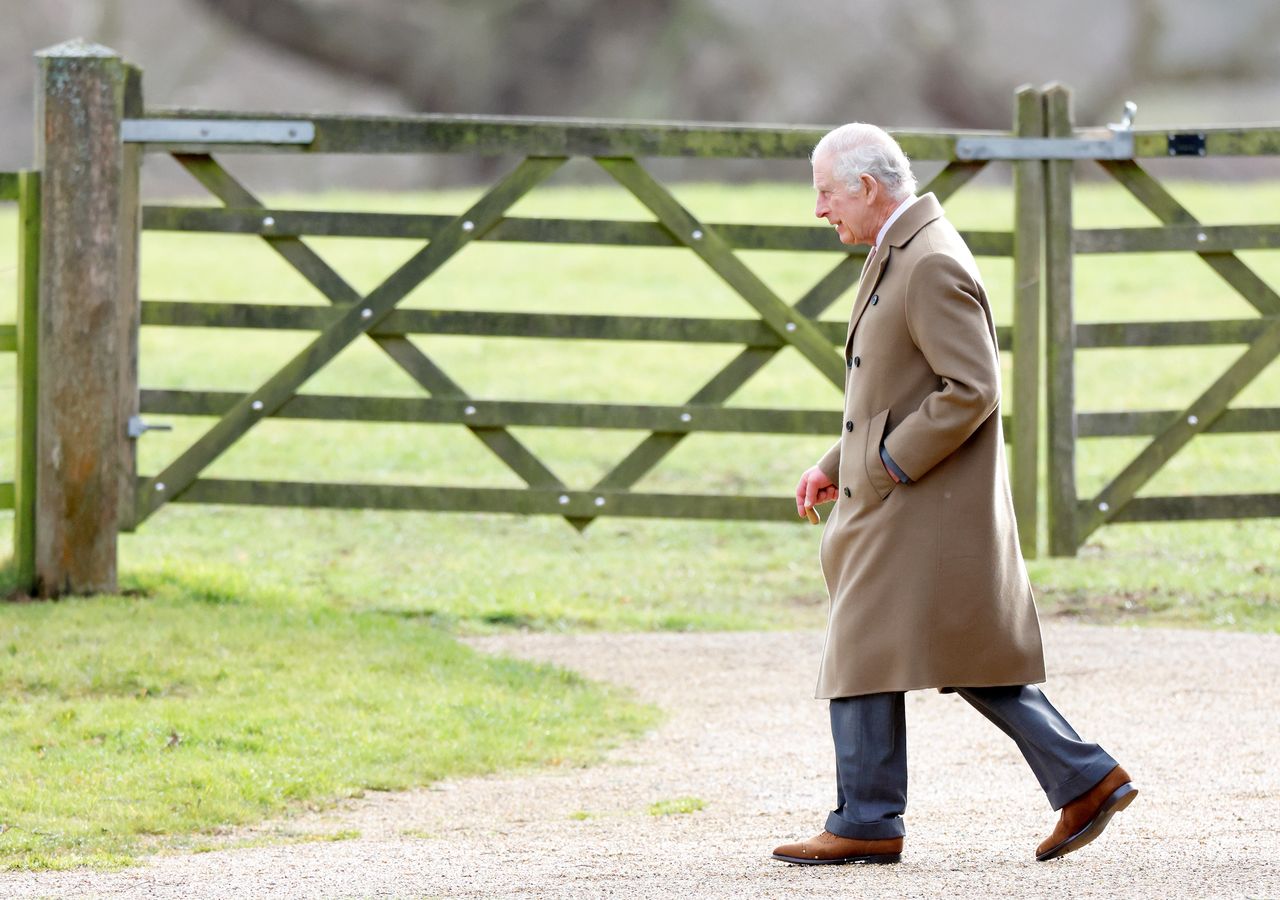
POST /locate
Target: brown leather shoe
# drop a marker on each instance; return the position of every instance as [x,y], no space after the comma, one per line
[1085,817]
[829,849]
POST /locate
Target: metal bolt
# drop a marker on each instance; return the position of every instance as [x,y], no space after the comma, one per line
[1193,420]
[366,313]
[257,405]
[1201,237]
[697,234]
[599,501]
[204,132]
[470,410]
[468,225]
[791,326]
[268,221]
[160,487]
[1104,506]
[686,417]
[564,499]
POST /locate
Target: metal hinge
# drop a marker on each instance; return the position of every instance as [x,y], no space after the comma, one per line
[137,428]
[217,131]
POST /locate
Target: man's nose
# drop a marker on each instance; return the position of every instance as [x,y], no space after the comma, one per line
[820,209]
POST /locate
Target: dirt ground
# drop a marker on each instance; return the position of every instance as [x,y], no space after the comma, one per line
[1193,715]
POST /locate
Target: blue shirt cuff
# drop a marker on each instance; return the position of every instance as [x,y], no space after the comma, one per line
[893,466]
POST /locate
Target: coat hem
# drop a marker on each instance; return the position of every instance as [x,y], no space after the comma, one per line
[947,687]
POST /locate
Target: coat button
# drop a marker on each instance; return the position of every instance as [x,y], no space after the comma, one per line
[875,298]
[848,364]
[848,426]
[848,493]
[857,360]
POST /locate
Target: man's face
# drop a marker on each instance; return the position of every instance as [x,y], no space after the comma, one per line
[850,210]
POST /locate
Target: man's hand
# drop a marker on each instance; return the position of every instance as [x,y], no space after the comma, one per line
[814,487]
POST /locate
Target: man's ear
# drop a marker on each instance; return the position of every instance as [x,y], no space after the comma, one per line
[870,187]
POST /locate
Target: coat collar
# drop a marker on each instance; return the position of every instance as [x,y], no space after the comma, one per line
[918,215]
[925,210]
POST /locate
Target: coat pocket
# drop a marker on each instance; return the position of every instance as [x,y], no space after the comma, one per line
[877,476]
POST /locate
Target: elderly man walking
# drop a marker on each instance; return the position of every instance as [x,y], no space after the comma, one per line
[920,555]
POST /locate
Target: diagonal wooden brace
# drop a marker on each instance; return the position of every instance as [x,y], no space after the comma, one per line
[799,331]
[403,351]
[1152,194]
[1197,417]
[356,320]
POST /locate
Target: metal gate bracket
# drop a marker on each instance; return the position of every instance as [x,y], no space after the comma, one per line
[218,131]
[1186,144]
[137,428]
[1118,146]
[1116,142]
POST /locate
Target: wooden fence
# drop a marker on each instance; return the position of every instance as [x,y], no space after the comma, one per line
[1041,148]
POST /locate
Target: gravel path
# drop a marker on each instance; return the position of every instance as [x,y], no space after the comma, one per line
[1192,715]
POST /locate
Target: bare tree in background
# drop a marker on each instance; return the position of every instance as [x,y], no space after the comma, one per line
[508,56]
[945,62]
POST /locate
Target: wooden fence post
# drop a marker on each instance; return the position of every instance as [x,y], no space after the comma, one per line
[1060,355]
[80,434]
[130,237]
[24,487]
[1028,235]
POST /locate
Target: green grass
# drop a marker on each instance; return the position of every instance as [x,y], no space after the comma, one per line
[301,656]
[201,700]
[676,806]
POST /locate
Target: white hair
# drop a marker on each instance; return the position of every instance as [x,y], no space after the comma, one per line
[860,149]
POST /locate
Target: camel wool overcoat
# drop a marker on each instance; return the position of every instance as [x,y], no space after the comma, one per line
[926,579]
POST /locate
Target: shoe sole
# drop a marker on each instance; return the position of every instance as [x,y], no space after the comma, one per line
[878,859]
[1120,798]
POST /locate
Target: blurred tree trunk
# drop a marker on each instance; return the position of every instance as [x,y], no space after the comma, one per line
[502,56]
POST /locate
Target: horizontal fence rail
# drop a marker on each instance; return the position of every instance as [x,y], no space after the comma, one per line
[477,323]
[532,136]
[684,419]
[574,504]
[595,232]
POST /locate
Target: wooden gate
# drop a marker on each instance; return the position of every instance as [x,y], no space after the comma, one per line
[1073,518]
[545,146]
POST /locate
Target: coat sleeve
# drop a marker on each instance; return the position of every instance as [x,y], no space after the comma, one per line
[949,324]
[830,463]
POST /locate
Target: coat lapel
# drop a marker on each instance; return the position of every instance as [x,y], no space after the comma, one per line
[870,278]
[921,213]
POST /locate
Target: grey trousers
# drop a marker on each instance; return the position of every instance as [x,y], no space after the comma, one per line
[870,734]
